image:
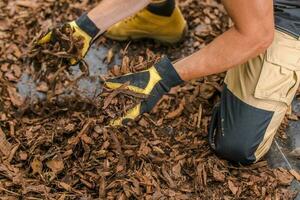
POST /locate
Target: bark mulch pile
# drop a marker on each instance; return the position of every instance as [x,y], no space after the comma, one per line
[65,149]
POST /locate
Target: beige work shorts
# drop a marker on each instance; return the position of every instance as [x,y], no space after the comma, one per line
[254,101]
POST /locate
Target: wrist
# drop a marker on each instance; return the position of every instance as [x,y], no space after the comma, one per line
[181,70]
[87,25]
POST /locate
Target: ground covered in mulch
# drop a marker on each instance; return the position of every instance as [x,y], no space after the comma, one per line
[62,147]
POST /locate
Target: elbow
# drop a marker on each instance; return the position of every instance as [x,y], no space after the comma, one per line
[258,39]
[263,40]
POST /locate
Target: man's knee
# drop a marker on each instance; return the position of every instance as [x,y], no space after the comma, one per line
[238,129]
[236,152]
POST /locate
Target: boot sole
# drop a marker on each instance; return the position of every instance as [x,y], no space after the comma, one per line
[162,39]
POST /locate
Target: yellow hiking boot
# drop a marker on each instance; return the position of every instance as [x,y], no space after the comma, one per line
[146,24]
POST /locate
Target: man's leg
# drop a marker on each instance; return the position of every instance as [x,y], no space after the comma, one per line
[109,12]
[161,20]
[254,102]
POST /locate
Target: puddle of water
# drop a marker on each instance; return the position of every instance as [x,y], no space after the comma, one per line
[87,87]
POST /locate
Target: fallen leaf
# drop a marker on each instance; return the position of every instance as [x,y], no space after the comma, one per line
[232,187]
[36,165]
[56,165]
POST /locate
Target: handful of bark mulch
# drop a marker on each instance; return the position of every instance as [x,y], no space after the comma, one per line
[62,46]
[50,64]
[50,59]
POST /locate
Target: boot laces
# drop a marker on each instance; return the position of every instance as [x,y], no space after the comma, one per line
[131,18]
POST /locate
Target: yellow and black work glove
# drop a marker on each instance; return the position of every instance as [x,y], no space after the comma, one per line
[154,82]
[83,27]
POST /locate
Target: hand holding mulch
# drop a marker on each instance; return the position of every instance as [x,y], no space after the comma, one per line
[154,82]
[83,29]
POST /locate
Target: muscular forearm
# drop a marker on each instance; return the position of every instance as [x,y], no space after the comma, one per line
[109,12]
[251,35]
[226,51]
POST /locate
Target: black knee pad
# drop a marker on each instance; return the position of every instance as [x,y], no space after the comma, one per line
[237,129]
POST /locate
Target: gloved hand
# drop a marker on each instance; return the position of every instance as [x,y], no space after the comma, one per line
[154,82]
[83,27]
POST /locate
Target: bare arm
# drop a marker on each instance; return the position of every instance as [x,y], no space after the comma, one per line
[109,12]
[251,35]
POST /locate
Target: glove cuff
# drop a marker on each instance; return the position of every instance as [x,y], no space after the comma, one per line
[169,75]
[87,25]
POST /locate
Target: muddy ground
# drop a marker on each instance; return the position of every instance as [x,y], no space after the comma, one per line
[55,138]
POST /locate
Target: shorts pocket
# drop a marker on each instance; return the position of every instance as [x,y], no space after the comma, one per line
[280,74]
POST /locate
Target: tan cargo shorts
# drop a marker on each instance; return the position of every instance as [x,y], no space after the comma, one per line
[254,101]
